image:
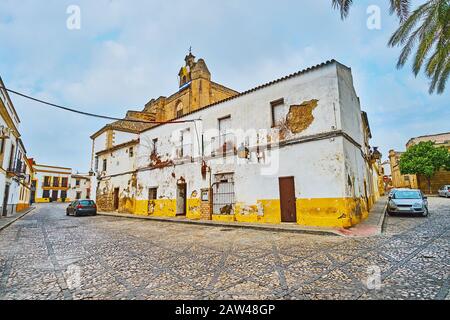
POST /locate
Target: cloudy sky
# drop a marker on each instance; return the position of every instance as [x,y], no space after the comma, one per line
[127,52]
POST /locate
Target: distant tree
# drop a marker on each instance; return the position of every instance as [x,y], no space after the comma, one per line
[425,159]
[428,29]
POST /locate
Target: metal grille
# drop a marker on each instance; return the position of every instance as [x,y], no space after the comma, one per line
[223,196]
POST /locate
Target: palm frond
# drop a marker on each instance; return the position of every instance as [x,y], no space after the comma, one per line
[443,77]
[343,6]
[401,35]
[401,8]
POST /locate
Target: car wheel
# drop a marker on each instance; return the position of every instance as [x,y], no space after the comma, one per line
[425,213]
[389,213]
[67,213]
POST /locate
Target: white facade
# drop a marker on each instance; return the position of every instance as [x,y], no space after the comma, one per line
[52,183]
[80,187]
[13,175]
[319,145]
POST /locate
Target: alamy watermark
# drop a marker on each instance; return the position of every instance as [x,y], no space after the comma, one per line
[73,277]
[373,281]
[374,19]
[73,21]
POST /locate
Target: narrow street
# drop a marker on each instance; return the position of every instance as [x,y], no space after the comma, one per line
[132,259]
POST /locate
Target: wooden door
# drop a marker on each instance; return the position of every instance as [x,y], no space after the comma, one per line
[54,195]
[116,198]
[287,200]
[5,200]
[181,199]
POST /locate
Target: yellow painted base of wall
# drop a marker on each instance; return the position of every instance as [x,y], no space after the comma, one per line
[156,208]
[322,212]
[47,200]
[22,206]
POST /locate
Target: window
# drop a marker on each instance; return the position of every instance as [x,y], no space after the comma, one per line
[78,196]
[56,181]
[87,203]
[185,149]
[63,194]
[46,182]
[11,157]
[77,182]
[2,145]
[154,148]
[46,194]
[64,182]
[104,164]
[152,193]
[179,110]
[278,112]
[131,152]
[19,162]
[226,138]
[96,163]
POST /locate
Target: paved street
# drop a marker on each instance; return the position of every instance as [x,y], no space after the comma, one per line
[47,255]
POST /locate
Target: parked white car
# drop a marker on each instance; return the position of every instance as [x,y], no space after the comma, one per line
[444,191]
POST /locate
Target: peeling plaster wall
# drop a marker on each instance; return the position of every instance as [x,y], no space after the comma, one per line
[318,103]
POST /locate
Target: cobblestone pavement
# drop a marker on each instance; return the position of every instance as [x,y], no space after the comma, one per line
[47,255]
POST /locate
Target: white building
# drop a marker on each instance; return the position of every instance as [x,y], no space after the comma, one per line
[292,150]
[80,186]
[13,161]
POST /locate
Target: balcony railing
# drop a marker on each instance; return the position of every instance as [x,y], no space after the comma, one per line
[17,170]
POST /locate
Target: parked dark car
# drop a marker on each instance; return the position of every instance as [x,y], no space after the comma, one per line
[82,208]
[408,201]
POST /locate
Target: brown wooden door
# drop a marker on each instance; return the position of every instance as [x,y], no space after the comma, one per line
[181,199]
[116,198]
[287,200]
[54,195]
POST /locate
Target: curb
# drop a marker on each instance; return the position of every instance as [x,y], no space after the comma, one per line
[20,216]
[229,225]
[382,223]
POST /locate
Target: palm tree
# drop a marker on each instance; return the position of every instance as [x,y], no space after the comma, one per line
[431,36]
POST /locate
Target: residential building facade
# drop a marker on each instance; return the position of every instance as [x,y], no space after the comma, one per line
[52,183]
[80,187]
[293,150]
[15,174]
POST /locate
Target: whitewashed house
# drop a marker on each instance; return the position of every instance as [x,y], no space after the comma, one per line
[292,150]
[13,166]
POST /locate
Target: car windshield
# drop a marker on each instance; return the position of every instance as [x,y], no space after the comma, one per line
[87,203]
[407,195]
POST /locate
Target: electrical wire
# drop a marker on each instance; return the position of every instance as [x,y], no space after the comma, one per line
[92,114]
[103,116]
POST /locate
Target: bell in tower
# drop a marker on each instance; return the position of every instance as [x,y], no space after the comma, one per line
[185,72]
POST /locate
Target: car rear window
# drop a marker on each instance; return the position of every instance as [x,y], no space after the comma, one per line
[408,195]
[87,203]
